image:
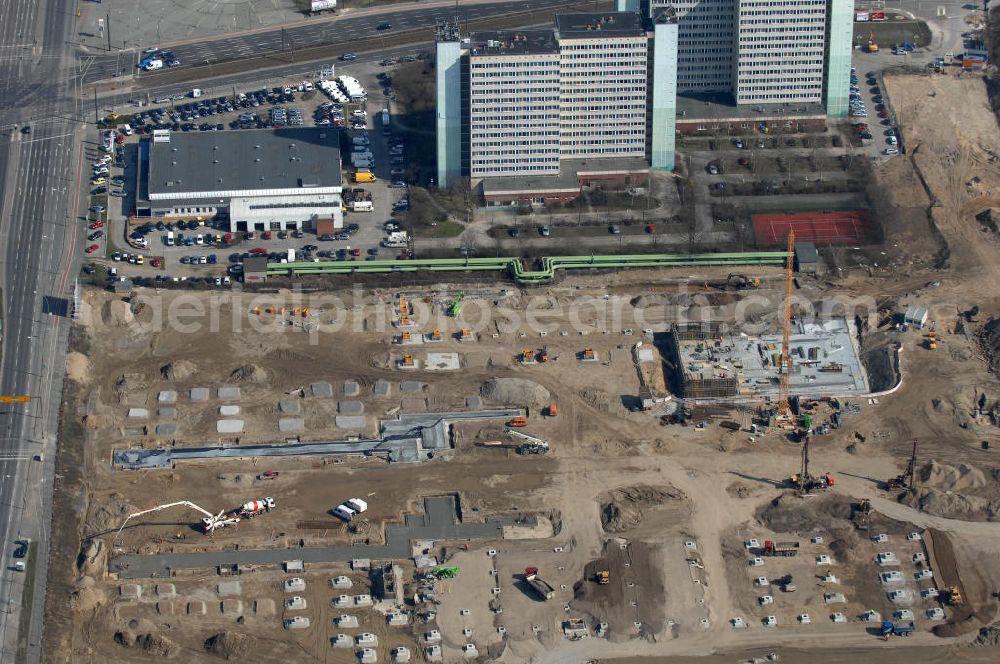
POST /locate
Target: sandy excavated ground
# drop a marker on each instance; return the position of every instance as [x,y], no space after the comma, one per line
[681,501]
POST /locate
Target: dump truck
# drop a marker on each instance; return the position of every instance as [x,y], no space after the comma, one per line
[890,629]
[785,549]
[518,422]
[538,584]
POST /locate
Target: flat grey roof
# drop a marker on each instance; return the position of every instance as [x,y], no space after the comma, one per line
[594,25]
[513,42]
[805,252]
[245,160]
[567,180]
[721,106]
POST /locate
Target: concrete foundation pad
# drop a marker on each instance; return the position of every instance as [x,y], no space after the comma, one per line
[166,429]
[227,588]
[289,406]
[382,388]
[646,355]
[410,386]
[232,606]
[167,413]
[351,388]
[198,394]
[165,608]
[166,590]
[196,608]
[264,607]
[351,421]
[138,413]
[229,426]
[137,398]
[229,393]
[130,591]
[443,362]
[167,396]
[229,410]
[350,407]
[289,424]
[321,389]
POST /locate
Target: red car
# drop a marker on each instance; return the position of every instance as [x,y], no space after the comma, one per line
[258,251]
[651,229]
[355,251]
[96,225]
[155,262]
[120,139]
[266,235]
[92,248]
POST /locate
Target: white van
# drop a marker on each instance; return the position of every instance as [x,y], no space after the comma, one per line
[153,64]
[344,512]
[169,239]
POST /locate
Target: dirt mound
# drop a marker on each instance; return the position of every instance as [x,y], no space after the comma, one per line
[846,549]
[77,367]
[140,634]
[248,373]
[92,557]
[514,391]
[989,341]
[84,597]
[791,514]
[230,645]
[989,637]
[623,509]
[117,312]
[179,370]
[952,478]
[952,505]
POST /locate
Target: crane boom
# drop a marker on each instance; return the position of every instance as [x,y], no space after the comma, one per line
[211,518]
[785,369]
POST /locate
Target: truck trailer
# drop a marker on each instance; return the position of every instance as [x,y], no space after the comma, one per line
[539,585]
[785,549]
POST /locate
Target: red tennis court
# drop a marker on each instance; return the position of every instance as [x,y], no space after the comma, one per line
[823,228]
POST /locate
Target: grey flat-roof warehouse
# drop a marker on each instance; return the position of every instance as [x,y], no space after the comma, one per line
[265,179]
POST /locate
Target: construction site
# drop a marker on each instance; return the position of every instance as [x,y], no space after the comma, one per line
[647,465]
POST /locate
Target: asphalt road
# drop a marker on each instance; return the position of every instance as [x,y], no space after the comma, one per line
[36,241]
[116,63]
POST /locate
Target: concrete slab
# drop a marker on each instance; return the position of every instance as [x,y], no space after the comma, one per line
[443,362]
[351,388]
[321,389]
[290,406]
[474,401]
[198,394]
[351,421]
[138,413]
[382,388]
[229,393]
[165,608]
[228,588]
[229,410]
[197,607]
[350,407]
[136,398]
[166,590]
[410,386]
[167,396]
[166,429]
[289,424]
[130,591]
[413,405]
[646,355]
[264,607]
[229,426]
[232,606]
[167,413]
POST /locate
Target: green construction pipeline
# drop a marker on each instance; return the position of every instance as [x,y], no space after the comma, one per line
[515,268]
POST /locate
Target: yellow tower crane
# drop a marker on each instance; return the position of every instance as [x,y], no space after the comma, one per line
[785,370]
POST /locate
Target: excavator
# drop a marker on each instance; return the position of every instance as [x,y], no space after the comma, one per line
[602,577]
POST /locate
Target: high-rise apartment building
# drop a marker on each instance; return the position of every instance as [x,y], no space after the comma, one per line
[763,51]
[537,103]
[603,62]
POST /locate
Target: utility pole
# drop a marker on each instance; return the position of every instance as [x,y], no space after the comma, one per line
[108,30]
[97,118]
